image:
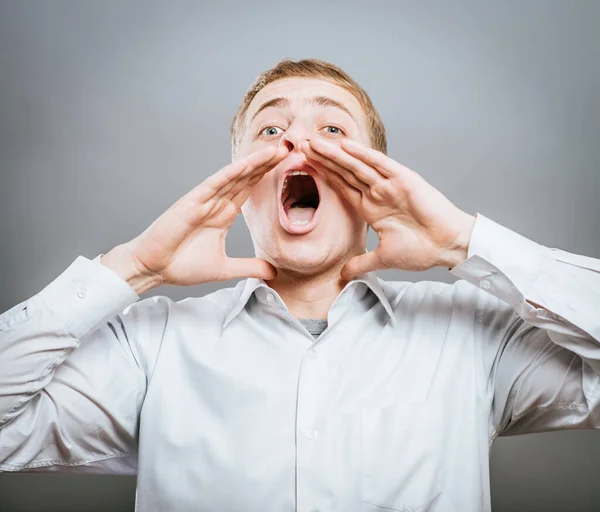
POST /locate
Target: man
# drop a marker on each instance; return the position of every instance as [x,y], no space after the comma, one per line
[312,384]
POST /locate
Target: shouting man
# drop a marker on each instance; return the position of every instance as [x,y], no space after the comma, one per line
[312,385]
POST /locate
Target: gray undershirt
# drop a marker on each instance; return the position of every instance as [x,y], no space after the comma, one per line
[314,327]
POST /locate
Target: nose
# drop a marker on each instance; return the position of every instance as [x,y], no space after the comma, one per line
[288,144]
[292,143]
[294,136]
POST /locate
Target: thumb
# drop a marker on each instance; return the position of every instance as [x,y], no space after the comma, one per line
[248,267]
[361,264]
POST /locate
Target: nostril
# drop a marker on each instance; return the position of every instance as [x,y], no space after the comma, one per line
[289,145]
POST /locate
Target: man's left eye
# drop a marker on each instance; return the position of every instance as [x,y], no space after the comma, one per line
[333,130]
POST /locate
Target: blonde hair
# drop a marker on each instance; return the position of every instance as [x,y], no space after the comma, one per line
[310,68]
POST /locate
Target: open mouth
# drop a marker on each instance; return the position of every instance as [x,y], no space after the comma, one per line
[299,202]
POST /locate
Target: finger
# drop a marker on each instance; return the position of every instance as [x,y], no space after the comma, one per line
[194,208]
[329,166]
[242,195]
[245,184]
[231,177]
[257,163]
[352,194]
[247,267]
[360,169]
[376,159]
[361,264]
[222,181]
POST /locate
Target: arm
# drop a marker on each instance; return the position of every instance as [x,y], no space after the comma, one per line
[542,364]
[75,365]
[72,374]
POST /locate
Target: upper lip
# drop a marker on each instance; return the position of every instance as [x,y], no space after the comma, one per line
[298,164]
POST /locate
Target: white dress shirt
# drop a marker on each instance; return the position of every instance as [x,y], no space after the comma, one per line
[227,403]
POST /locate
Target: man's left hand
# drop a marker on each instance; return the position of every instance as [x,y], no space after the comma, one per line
[417,226]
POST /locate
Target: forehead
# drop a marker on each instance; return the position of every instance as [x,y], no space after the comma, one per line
[300,90]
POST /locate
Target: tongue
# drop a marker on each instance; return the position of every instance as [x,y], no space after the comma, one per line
[298,214]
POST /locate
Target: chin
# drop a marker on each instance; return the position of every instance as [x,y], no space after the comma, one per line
[303,258]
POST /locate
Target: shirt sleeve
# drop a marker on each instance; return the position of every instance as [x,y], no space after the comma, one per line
[73,374]
[541,364]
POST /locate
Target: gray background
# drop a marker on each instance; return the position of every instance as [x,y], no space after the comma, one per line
[110,111]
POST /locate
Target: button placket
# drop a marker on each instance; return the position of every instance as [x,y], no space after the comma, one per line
[307,430]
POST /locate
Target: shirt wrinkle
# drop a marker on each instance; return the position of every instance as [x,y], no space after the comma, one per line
[395,403]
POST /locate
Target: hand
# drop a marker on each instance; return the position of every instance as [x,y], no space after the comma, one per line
[186,244]
[418,228]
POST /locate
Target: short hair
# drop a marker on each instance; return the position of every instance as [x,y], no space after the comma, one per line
[310,68]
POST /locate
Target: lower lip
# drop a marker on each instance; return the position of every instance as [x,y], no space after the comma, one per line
[298,229]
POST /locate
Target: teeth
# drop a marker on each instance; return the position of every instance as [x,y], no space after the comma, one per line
[299,222]
[293,173]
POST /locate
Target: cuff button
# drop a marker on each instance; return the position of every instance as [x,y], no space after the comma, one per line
[81,293]
[485,284]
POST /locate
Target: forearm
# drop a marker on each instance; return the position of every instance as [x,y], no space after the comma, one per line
[40,333]
[552,286]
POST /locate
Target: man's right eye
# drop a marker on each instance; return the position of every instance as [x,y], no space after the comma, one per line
[271,131]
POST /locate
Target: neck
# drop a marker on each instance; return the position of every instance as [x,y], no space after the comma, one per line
[308,296]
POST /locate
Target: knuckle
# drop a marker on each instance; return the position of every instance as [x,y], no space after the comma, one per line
[190,203]
[378,191]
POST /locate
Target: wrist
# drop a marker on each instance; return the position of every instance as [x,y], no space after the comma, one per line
[458,250]
[120,261]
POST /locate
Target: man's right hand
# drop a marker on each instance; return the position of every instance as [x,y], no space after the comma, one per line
[186,244]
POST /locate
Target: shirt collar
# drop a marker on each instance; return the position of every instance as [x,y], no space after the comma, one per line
[244,290]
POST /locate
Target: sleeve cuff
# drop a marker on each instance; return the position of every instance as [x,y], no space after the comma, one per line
[501,261]
[86,295]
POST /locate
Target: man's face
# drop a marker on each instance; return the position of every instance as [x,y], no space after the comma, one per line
[299,223]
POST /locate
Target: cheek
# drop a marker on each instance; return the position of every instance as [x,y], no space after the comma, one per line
[258,203]
[351,214]
[258,144]
[258,193]
[338,201]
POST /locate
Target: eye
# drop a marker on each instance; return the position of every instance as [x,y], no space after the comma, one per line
[333,130]
[271,131]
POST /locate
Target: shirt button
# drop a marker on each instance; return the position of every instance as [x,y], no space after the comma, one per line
[312,434]
[270,297]
[81,293]
[312,353]
[485,284]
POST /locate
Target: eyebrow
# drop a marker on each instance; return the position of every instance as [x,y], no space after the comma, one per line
[320,101]
[275,102]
